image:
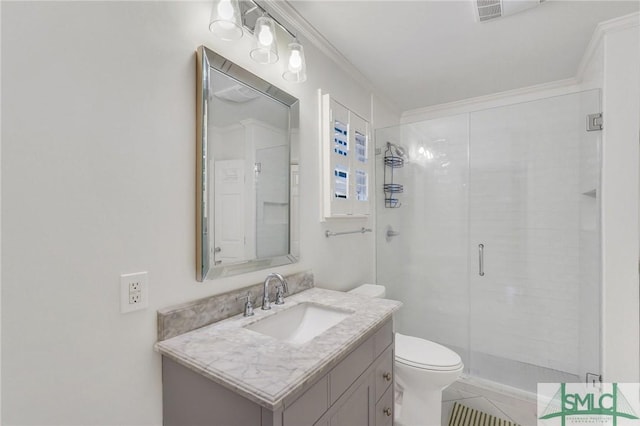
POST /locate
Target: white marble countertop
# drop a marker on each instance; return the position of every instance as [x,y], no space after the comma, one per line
[268,371]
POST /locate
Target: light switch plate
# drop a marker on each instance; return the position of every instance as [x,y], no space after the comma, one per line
[134,292]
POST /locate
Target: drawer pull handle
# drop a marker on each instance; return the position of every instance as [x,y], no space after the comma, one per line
[387,376]
[387,411]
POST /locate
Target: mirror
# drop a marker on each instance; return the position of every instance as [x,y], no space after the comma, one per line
[247,171]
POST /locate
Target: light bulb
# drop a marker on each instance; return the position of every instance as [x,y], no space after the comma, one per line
[295,61]
[225,10]
[224,20]
[421,150]
[265,47]
[264,36]
[296,69]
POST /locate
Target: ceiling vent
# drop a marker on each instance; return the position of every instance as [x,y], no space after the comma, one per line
[487,10]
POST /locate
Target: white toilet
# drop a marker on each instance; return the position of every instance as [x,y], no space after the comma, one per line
[423,369]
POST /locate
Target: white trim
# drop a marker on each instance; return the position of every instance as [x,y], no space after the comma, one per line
[620,23]
[487,101]
[591,49]
[302,27]
[605,27]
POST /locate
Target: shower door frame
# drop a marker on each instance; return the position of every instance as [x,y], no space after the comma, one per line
[541,237]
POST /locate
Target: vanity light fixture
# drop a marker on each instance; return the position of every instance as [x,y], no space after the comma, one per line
[231,18]
[265,45]
[226,21]
[296,66]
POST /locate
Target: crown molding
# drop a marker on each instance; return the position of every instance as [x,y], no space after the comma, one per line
[304,28]
[612,25]
[488,101]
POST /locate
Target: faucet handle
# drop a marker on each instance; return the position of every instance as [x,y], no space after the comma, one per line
[281,289]
[248,306]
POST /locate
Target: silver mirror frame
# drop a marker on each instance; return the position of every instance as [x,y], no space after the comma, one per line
[207,60]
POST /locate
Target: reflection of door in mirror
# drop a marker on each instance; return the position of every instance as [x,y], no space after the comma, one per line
[229,202]
[251,192]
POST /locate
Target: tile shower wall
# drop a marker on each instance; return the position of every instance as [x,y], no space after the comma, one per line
[426,265]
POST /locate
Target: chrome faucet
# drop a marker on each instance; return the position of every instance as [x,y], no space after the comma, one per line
[248,306]
[281,289]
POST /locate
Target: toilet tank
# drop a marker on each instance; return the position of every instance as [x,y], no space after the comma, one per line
[371,290]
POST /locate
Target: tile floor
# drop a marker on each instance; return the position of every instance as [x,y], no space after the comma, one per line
[517,406]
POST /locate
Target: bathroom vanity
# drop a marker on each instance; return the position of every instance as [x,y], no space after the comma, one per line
[243,371]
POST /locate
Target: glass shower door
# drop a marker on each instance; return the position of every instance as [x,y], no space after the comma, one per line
[534,271]
[422,241]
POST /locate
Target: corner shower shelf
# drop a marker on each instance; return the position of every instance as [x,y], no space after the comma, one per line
[392,161]
[393,188]
[591,193]
[389,187]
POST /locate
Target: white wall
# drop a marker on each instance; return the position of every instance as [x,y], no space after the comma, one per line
[98,180]
[620,154]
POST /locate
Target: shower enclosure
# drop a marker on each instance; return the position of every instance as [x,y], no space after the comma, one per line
[494,243]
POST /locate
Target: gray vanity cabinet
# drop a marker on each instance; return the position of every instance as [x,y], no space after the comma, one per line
[357,391]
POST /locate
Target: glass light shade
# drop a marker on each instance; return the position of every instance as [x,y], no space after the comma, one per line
[225,21]
[265,50]
[296,65]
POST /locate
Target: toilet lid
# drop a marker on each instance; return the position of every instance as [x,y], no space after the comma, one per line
[425,354]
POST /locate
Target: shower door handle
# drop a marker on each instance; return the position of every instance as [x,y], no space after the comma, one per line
[481,260]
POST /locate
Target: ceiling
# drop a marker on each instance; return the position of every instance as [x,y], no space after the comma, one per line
[422,53]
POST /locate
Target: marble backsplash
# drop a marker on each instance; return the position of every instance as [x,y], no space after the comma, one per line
[179,319]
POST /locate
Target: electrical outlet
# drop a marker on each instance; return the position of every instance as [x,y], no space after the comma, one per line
[134,292]
[134,298]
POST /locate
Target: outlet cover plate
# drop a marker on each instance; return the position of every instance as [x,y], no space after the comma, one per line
[134,292]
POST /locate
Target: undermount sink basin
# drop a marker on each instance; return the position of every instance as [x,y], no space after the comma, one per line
[300,323]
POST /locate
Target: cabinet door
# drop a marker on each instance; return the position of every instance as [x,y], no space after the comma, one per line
[357,409]
[307,409]
[340,153]
[360,164]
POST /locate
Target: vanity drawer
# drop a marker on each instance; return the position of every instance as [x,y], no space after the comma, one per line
[382,338]
[384,409]
[309,407]
[384,372]
[345,373]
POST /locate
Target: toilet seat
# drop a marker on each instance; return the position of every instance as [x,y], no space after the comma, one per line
[424,354]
